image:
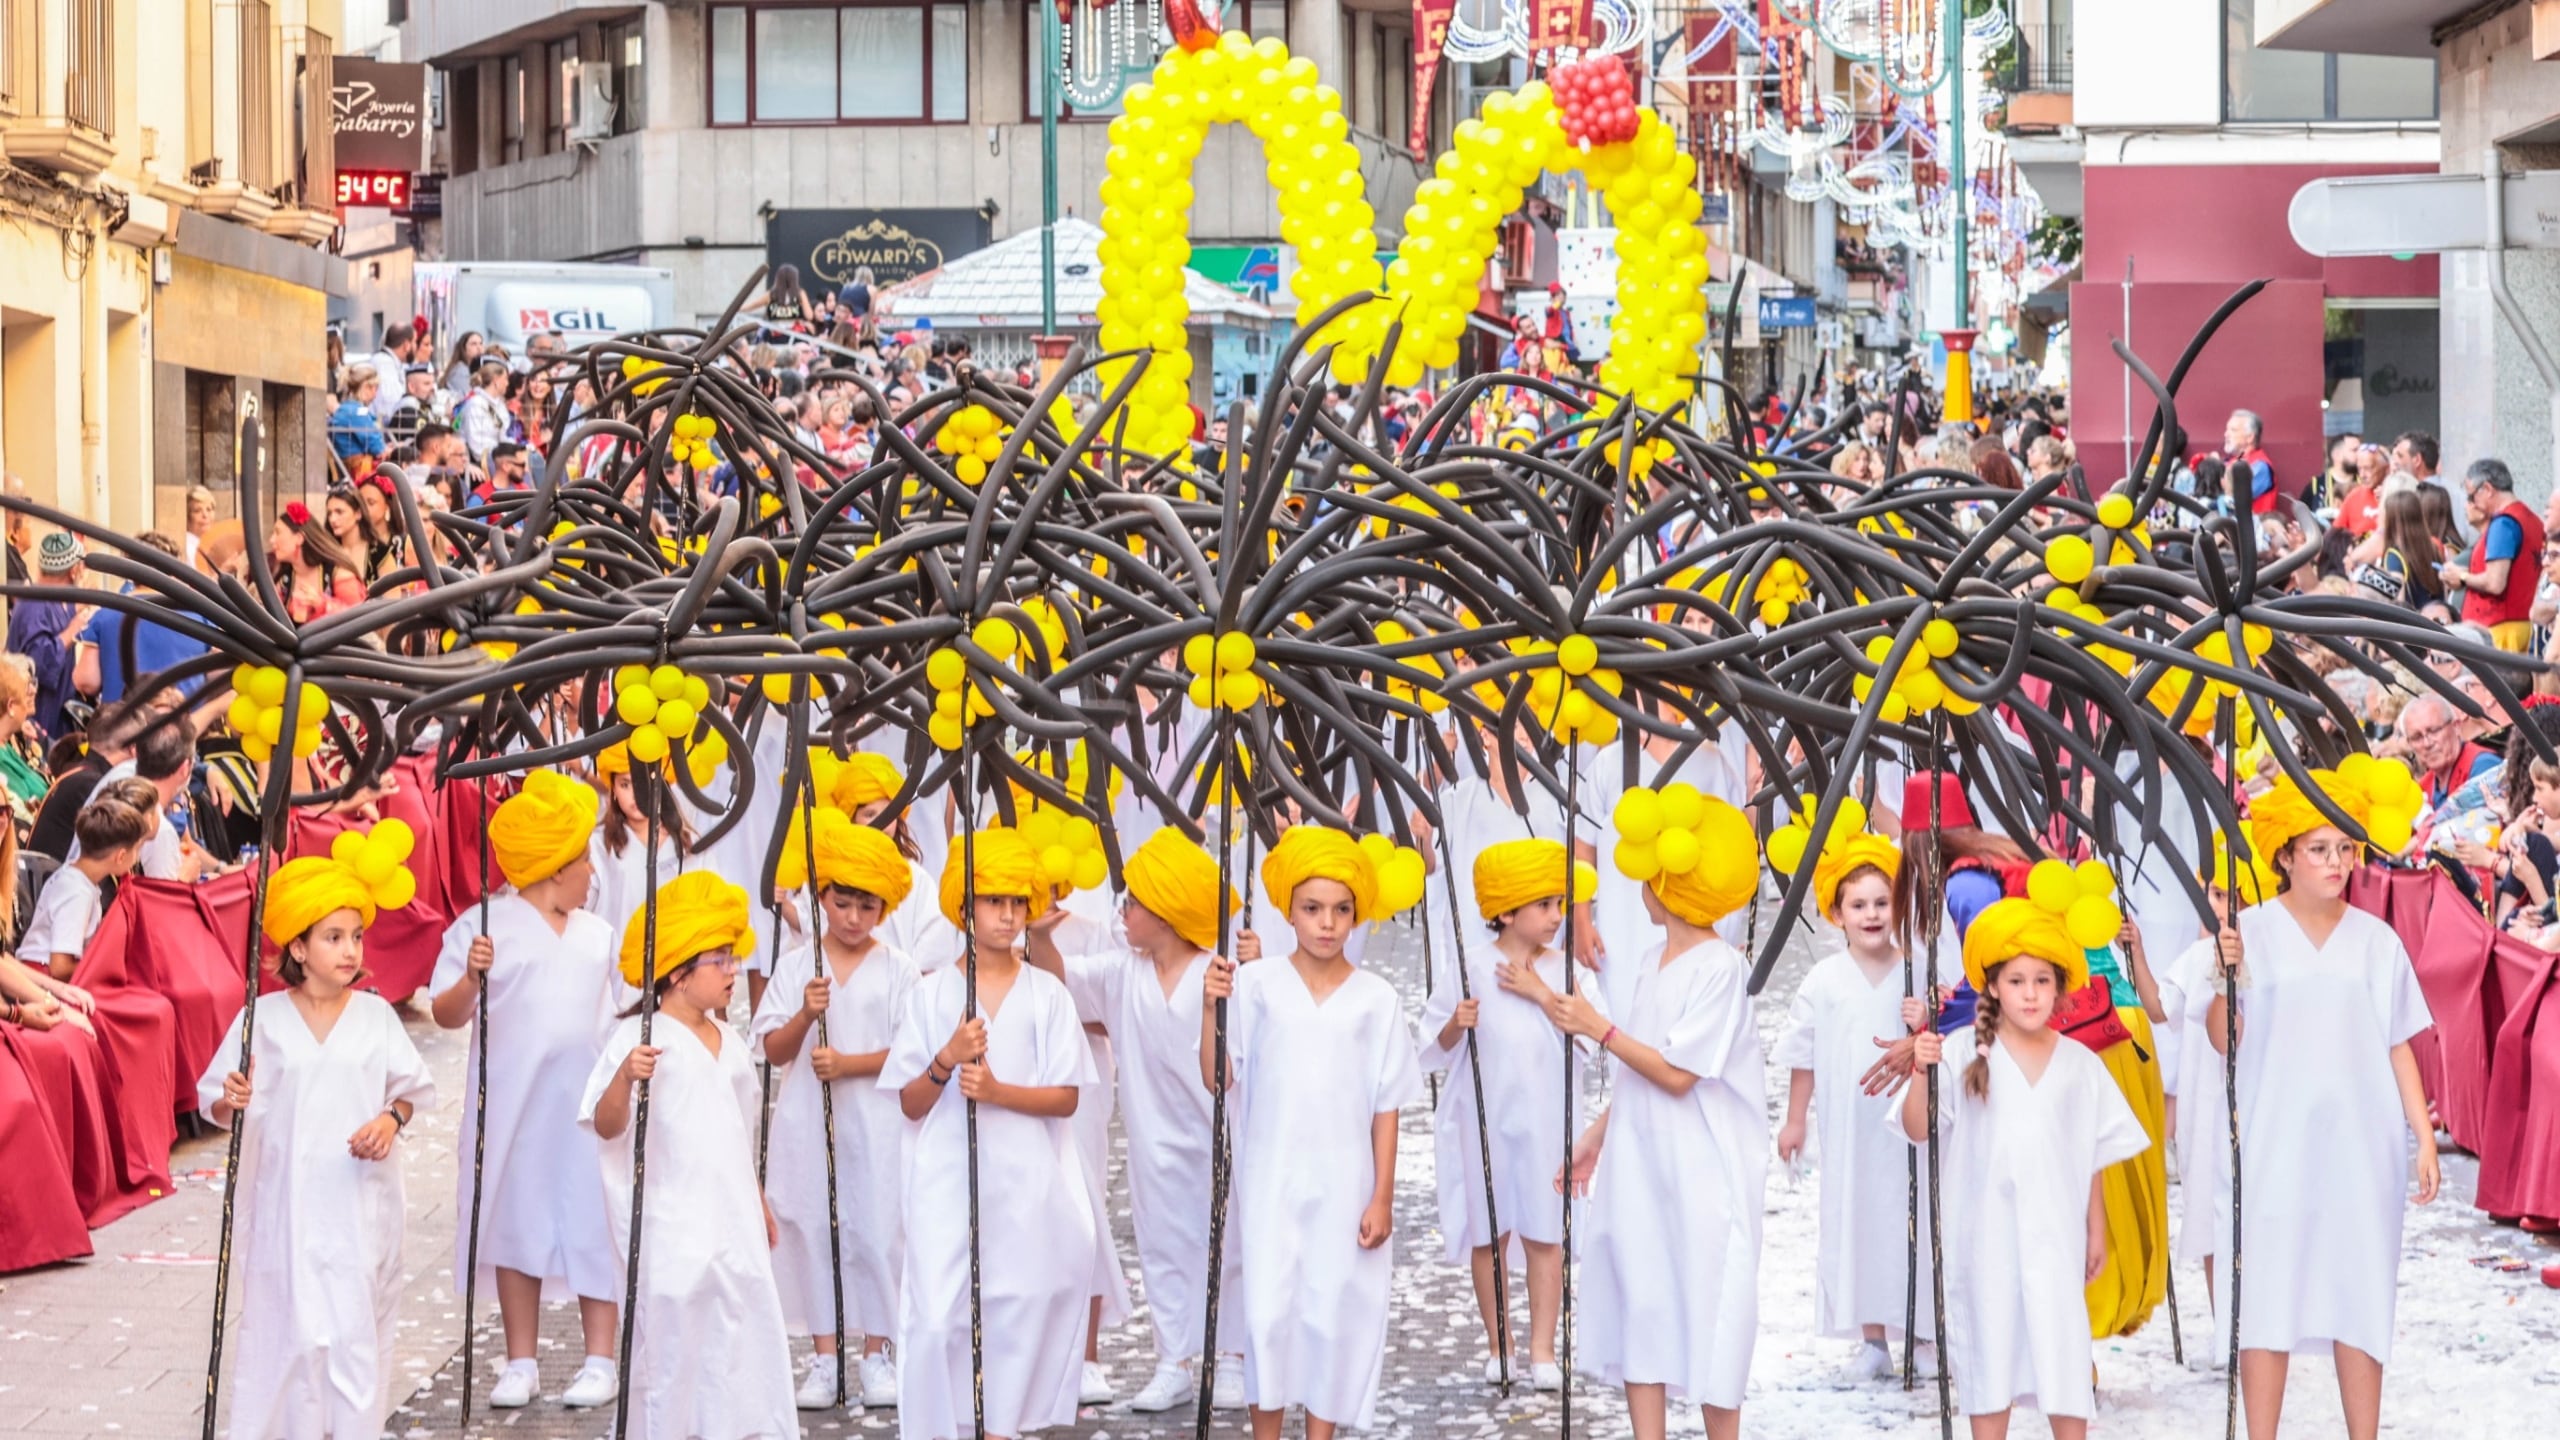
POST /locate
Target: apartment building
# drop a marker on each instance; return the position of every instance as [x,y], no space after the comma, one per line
[162,276]
[2179,157]
[702,136]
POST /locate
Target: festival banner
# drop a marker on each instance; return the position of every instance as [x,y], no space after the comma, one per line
[1430,32]
[1561,24]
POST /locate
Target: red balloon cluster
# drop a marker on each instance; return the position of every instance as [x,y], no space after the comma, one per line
[1598,99]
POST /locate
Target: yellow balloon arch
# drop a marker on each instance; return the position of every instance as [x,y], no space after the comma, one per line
[1450,229]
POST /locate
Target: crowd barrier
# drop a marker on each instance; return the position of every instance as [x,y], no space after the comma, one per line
[86,1124]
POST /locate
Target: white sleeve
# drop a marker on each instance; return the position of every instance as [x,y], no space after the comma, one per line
[1705,1037]
[2120,1135]
[1093,983]
[405,1073]
[1397,1072]
[1065,1056]
[625,1039]
[226,1058]
[781,996]
[918,1040]
[1795,1048]
[454,952]
[1437,1008]
[2405,1011]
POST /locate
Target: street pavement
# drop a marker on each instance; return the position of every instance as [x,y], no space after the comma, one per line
[115,1345]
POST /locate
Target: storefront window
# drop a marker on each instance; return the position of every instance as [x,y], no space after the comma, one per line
[804,64]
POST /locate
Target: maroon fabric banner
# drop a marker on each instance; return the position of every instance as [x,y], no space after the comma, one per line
[1430,32]
[41,1216]
[1561,24]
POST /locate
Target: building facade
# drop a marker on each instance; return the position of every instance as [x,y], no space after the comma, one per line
[2179,157]
[682,133]
[159,162]
[2501,101]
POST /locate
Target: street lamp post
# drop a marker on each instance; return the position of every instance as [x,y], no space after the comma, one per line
[1958,404]
[1049,167]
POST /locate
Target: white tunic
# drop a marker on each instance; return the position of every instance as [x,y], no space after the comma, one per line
[621,886]
[1035,1224]
[1475,820]
[1521,1054]
[2187,990]
[1310,1079]
[1671,1273]
[317,1287]
[709,1358]
[863,1009]
[2324,1147]
[1862,1264]
[1089,926]
[551,1004]
[1165,1111]
[2023,1158]
[1627,936]
[916,928]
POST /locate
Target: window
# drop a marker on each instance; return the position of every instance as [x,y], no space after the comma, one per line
[630,94]
[560,63]
[462,119]
[2304,85]
[890,62]
[511,99]
[1256,17]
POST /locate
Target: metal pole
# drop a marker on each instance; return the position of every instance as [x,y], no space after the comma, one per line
[1959,174]
[1048,167]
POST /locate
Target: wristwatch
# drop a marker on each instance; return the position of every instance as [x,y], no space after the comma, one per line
[398,1120]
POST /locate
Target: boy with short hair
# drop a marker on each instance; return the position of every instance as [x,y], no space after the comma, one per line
[111,833]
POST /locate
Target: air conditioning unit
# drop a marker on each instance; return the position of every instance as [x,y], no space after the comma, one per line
[595,104]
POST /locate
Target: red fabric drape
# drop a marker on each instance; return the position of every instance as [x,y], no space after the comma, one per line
[400,946]
[40,1213]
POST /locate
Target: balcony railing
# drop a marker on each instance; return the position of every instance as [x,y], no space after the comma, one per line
[89,86]
[256,88]
[2039,59]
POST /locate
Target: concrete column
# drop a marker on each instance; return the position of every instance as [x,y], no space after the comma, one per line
[2491,400]
[1315,31]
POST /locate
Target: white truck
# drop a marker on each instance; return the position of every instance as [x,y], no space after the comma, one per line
[510,303]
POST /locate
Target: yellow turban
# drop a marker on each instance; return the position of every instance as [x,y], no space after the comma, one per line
[698,912]
[1177,882]
[1313,852]
[866,779]
[857,857]
[1523,872]
[1727,872]
[2381,796]
[612,760]
[363,872]
[2007,929]
[1006,865]
[540,829]
[1844,858]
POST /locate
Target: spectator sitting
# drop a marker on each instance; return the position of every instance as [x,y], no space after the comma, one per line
[353,429]
[48,632]
[201,511]
[111,833]
[153,778]
[419,403]
[76,773]
[22,774]
[2444,758]
[509,463]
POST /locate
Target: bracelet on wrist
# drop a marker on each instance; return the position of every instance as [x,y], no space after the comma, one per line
[398,1120]
[1606,1036]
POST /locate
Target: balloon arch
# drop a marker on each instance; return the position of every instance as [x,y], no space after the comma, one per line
[1586,122]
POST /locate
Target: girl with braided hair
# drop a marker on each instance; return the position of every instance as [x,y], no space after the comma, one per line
[2028,1130]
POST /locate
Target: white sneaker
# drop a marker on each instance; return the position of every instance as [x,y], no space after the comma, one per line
[596,1384]
[879,1381]
[514,1389]
[818,1391]
[1097,1385]
[1872,1362]
[1170,1386]
[1230,1393]
[1547,1375]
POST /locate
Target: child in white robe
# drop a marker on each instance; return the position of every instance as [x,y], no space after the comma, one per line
[1677,1166]
[1319,1062]
[834,1027]
[2202,1128]
[1148,997]
[331,1083]
[1020,1056]
[620,851]
[1851,1000]
[2330,1099]
[709,1358]
[2029,1127]
[1499,1041]
[549,969]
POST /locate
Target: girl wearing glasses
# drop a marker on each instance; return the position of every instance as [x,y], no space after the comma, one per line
[2329,1102]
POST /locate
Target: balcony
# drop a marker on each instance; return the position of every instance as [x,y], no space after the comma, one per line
[58,83]
[239,179]
[2037,78]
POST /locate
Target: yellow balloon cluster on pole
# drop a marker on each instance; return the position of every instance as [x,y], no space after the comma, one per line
[1222,673]
[256,713]
[1401,874]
